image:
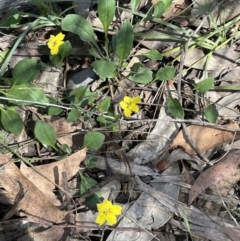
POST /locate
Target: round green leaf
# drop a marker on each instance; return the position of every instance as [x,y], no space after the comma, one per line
[25,71]
[93,140]
[54,110]
[143,76]
[65,49]
[73,115]
[28,92]
[204,85]
[90,161]
[86,184]
[104,105]
[104,69]
[211,113]
[80,93]
[174,108]
[165,73]
[11,121]
[45,133]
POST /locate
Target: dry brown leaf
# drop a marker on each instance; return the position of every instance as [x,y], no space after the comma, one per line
[34,204]
[62,127]
[232,233]
[53,234]
[53,172]
[225,167]
[205,138]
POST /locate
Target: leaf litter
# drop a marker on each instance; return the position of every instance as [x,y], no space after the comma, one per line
[157,203]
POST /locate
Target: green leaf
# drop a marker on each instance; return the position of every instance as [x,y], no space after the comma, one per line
[94,53]
[54,110]
[90,161]
[204,85]
[76,24]
[28,92]
[86,183]
[102,119]
[73,115]
[134,4]
[159,9]
[65,49]
[93,140]
[227,87]
[143,76]
[104,69]
[3,55]
[11,121]
[80,93]
[106,12]
[65,148]
[152,54]
[45,133]
[165,73]
[124,40]
[211,113]
[104,105]
[11,20]
[56,60]
[90,97]
[174,108]
[167,3]
[25,71]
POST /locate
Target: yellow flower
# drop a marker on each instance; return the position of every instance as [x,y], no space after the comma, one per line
[107,212]
[54,42]
[129,105]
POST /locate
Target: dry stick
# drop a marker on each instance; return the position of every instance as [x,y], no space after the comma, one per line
[182,59]
[65,185]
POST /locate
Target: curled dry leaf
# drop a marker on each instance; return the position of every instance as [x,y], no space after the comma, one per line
[225,167]
[206,138]
[53,172]
[33,203]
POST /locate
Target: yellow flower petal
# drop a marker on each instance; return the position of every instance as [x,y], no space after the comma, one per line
[127,112]
[60,36]
[127,99]
[134,108]
[111,219]
[54,42]
[123,105]
[116,209]
[101,218]
[105,205]
[136,100]
[54,50]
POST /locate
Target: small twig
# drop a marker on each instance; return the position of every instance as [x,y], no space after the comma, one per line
[65,186]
